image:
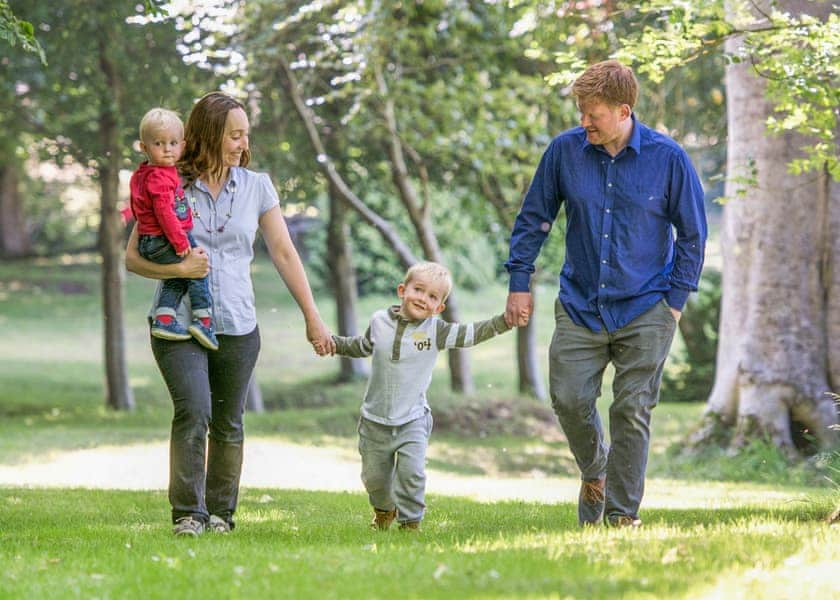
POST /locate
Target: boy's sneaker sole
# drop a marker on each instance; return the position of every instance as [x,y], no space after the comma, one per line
[201,336]
[163,334]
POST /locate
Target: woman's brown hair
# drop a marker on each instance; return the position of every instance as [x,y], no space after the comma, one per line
[204,134]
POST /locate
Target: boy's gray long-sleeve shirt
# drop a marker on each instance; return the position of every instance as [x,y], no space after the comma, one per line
[404,355]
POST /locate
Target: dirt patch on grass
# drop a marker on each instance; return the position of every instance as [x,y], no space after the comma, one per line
[499,417]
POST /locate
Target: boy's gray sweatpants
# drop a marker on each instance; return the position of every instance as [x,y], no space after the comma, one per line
[394,465]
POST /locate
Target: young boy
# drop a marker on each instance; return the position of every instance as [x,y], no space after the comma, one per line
[396,420]
[164,223]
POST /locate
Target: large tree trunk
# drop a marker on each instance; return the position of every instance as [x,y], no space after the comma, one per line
[778,350]
[118,395]
[14,238]
[340,262]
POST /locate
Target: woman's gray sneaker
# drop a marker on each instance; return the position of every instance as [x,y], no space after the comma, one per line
[188,527]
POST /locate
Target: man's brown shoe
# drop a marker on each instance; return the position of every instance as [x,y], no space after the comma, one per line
[382,519]
[623,521]
[410,526]
[591,501]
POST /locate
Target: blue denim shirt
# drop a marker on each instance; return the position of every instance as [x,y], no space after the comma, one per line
[622,214]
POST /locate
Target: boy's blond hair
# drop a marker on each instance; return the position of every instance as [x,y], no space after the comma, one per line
[608,81]
[159,119]
[433,271]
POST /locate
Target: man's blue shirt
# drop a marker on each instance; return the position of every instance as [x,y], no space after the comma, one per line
[635,226]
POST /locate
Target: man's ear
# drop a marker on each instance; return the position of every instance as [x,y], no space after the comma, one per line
[441,307]
[626,111]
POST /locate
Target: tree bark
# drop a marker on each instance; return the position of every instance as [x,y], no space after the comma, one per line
[343,278]
[778,349]
[14,237]
[118,395]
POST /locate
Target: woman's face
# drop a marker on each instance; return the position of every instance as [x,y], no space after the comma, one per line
[235,139]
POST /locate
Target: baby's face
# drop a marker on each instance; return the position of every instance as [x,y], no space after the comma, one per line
[164,147]
[421,297]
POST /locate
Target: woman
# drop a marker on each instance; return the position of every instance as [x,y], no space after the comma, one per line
[208,388]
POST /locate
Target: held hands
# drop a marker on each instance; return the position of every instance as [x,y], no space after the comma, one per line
[320,337]
[518,309]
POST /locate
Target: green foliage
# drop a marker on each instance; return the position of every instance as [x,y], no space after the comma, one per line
[691,371]
[16,31]
[795,53]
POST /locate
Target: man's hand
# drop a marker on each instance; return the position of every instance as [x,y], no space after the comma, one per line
[677,314]
[518,309]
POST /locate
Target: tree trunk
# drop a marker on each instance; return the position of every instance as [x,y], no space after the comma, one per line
[118,395]
[779,342]
[14,238]
[530,381]
[343,278]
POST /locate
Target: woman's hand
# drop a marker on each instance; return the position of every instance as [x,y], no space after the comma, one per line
[320,337]
[196,264]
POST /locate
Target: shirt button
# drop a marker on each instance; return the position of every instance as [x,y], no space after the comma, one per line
[603,285]
[604,262]
[608,211]
[606,235]
[609,185]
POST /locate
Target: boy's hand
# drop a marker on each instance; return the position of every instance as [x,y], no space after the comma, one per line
[518,309]
[320,337]
[185,252]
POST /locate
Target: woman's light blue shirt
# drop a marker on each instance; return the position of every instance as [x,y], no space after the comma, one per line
[226,229]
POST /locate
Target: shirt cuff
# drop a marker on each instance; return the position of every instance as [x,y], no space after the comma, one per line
[676,298]
[519,282]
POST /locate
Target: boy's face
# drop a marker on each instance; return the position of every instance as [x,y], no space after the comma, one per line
[422,297]
[164,147]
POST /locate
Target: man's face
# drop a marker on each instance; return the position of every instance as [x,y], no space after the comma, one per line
[603,121]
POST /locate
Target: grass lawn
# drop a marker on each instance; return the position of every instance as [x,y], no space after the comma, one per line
[293,544]
[754,531]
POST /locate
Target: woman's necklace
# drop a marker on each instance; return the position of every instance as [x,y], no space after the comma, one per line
[231,187]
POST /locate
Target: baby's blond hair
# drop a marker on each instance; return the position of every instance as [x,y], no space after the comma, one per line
[434,271]
[159,119]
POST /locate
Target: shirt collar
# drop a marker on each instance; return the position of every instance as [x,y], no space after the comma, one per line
[233,181]
[635,141]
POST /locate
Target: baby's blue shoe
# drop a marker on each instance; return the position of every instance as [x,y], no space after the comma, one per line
[204,335]
[173,331]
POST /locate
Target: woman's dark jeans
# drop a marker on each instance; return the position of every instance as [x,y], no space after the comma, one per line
[208,390]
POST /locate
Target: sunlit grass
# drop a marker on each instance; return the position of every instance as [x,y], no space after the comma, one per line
[87,543]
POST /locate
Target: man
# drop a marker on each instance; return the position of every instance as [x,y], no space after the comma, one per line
[635,239]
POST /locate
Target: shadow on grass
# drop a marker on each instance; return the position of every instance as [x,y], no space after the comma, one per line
[318,544]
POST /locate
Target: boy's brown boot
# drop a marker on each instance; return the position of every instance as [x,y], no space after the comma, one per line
[410,526]
[382,519]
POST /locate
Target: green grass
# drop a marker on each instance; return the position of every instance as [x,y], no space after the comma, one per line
[292,544]
[715,525]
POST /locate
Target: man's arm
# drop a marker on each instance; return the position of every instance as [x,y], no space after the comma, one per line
[688,216]
[533,224]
